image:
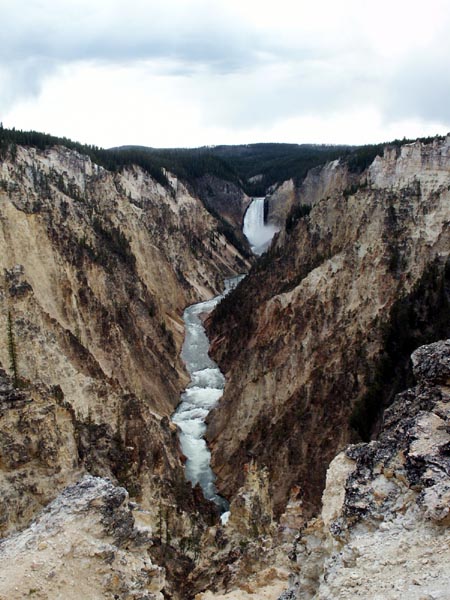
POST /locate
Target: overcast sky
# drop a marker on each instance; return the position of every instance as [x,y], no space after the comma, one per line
[203,72]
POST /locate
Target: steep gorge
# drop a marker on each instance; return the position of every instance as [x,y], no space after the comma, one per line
[303,339]
[98,266]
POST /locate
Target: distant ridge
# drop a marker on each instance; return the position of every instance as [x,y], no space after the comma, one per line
[253,167]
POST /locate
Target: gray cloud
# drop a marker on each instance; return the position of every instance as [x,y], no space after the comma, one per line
[22,78]
[208,37]
[420,88]
[233,72]
[287,89]
[36,41]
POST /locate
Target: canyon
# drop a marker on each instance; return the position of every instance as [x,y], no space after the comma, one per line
[327,438]
[336,303]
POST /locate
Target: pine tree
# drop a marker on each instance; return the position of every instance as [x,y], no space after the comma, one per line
[12,350]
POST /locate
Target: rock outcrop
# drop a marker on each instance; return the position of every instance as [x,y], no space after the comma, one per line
[38,451]
[317,338]
[279,202]
[320,182]
[384,528]
[84,545]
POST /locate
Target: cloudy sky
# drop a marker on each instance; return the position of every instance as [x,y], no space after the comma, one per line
[201,72]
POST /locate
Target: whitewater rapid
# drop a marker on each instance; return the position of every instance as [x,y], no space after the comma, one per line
[200,396]
[207,382]
[258,233]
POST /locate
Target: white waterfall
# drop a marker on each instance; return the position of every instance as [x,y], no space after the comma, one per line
[207,382]
[255,230]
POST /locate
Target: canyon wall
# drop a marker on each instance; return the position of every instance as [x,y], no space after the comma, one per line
[384,526]
[315,341]
[96,269]
[226,200]
[320,182]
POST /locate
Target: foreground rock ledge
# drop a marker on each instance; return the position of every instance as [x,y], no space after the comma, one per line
[83,545]
[384,530]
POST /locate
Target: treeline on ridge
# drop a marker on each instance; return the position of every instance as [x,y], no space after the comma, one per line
[110,160]
[253,167]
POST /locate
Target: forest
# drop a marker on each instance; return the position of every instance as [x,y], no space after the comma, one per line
[252,167]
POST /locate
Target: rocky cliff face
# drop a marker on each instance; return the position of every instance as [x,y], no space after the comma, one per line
[227,200]
[316,339]
[109,260]
[247,557]
[86,544]
[38,451]
[280,201]
[97,268]
[383,530]
[320,182]
[45,446]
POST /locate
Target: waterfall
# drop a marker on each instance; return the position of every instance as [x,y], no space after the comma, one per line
[207,381]
[255,230]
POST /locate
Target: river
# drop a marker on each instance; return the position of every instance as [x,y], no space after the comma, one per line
[207,382]
[200,396]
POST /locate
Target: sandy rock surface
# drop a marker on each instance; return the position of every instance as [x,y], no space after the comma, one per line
[84,545]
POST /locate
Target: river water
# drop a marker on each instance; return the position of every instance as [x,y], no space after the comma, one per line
[200,396]
[207,382]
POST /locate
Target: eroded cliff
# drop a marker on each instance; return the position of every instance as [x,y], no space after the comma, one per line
[316,339]
[383,531]
[320,182]
[97,267]
[228,201]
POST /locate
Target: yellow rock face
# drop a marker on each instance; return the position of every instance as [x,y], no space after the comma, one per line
[307,327]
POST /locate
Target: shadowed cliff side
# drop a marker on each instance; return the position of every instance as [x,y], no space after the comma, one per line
[328,317]
[227,202]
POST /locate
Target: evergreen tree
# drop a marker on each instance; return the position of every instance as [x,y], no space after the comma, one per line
[12,350]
